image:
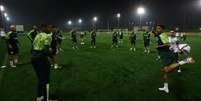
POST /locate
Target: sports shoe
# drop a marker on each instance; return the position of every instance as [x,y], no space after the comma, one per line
[190,60]
[166,90]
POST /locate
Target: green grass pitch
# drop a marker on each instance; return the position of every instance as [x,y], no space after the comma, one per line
[103,74]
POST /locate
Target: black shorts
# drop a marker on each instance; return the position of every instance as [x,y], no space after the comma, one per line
[133,42]
[14,50]
[167,57]
[146,43]
[54,49]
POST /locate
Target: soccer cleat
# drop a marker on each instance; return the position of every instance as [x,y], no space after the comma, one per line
[13,66]
[131,49]
[190,60]
[16,61]
[134,49]
[56,66]
[166,90]
[40,98]
[148,51]
[3,67]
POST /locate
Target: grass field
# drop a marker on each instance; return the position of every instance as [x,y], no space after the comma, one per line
[103,74]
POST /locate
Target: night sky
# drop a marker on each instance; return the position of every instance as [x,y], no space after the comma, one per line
[169,12]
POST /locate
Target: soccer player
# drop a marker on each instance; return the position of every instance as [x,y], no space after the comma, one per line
[32,34]
[146,38]
[60,39]
[178,48]
[12,44]
[93,39]
[121,35]
[55,46]
[132,39]
[167,56]
[82,34]
[40,62]
[74,39]
[115,40]
[174,41]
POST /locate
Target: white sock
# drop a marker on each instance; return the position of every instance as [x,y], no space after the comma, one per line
[16,61]
[165,85]
[182,62]
[11,63]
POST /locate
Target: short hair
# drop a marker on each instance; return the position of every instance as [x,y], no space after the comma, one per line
[162,26]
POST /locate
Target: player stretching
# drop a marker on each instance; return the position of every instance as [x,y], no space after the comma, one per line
[167,56]
[177,48]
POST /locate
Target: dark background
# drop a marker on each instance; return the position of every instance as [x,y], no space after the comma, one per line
[58,12]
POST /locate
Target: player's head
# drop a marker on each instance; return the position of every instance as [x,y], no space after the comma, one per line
[35,27]
[46,28]
[13,28]
[172,33]
[54,28]
[159,29]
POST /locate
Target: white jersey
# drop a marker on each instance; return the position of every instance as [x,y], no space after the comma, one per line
[177,34]
[2,34]
[184,47]
[174,44]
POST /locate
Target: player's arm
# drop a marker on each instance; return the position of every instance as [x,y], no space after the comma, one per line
[29,35]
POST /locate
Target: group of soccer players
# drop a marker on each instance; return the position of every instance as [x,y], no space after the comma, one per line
[46,43]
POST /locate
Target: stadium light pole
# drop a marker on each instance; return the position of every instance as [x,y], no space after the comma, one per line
[5,14]
[8,19]
[69,22]
[80,21]
[118,18]
[2,9]
[95,19]
[140,12]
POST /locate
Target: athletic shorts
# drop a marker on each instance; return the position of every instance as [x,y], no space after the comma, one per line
[14,50]
[146,43]
[167,57]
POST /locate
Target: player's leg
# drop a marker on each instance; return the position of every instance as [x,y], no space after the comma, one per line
[145,46]
[94,43]
[131,43]
[36,64]
[165,85]
[166,59]
[91,43]
[148,46]
[116,44]
[15,54]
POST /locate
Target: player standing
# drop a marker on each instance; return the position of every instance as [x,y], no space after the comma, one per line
[40,62]
[146,38]
[132,39]
[12,44]
[55,44]
[115,40]
[93,39]
[74,39]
